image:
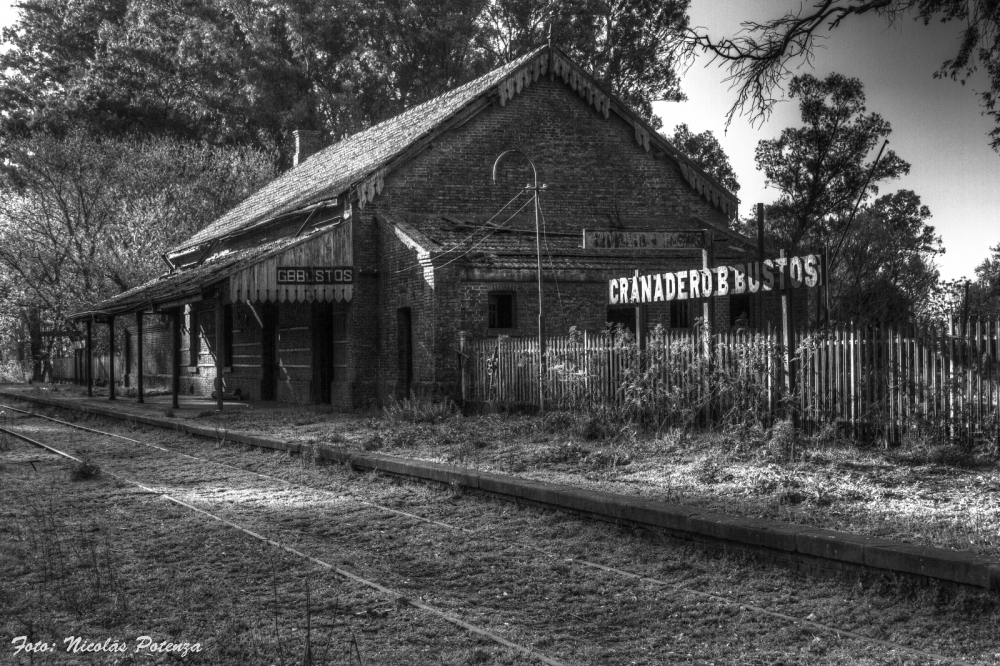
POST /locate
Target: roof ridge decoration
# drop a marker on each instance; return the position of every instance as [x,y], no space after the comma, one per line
[371,187]
[581,82]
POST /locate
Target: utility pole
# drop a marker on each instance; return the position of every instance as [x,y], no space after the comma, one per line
[536,189]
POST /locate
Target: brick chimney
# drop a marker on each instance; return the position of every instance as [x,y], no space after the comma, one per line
[307,142]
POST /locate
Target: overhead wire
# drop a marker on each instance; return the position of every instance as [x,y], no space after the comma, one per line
[481,228]
[497,228]
[548,251]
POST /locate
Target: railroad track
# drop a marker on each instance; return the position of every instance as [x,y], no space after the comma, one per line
[466,532]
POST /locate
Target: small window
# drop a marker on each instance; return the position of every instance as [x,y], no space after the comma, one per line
[624,316]
[227,335]
[739,309]
[680,314]
[502,310]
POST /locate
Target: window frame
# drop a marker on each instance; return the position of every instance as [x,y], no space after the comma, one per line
[489,311]
[682,306]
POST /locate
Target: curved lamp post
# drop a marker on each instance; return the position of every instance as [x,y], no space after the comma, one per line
[535,189]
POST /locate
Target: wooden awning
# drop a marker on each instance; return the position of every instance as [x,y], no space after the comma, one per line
[250,274]
[319,270]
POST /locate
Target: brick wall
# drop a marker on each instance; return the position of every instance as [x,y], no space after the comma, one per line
[595,171]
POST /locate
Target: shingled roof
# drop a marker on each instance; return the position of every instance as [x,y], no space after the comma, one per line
[361,158]
[334,169]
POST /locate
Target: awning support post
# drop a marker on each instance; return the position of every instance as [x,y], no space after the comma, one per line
[220,353]
[89,361]
[175,386]
[138,350]
[111,358]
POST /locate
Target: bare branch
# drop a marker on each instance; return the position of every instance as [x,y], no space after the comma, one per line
[759,58]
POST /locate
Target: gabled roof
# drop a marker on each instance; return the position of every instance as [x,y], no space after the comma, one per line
[361,159]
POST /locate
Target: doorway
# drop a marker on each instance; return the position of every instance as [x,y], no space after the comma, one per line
[322,352]
[269,351]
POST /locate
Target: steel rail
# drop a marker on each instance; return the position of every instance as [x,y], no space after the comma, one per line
[399,598]
[812,624]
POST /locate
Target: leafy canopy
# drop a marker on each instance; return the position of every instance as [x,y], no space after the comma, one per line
[83,219]
[247,72]
[820,168]
[704,150]
[886,269]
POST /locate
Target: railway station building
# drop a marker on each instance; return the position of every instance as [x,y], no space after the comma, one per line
[350,277]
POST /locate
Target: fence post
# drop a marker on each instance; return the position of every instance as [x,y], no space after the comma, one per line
[464,366]
[708,322]
[788,342]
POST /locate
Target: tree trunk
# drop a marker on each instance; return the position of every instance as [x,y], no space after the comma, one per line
[33,319]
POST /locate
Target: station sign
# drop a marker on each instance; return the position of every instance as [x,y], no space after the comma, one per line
[751,278]
[609,239]
[315,274]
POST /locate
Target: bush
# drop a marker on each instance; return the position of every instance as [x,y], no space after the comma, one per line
[84,471]
[15,372]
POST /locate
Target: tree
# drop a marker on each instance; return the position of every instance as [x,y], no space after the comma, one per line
[760,59]
[83,219]
[704,150]
[247,72]
[979,297]
[820,169]
[886,270]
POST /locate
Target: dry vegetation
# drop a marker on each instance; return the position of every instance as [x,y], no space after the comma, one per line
[920,492]
[186,578]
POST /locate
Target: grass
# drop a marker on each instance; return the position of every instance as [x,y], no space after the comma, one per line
[920,492]
[193,579]
[103,560]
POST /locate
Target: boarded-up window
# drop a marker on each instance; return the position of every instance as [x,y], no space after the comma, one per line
[680,314]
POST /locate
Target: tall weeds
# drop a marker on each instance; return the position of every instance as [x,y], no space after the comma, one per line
[671,383]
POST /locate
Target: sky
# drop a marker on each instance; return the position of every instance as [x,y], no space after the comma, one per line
[937,125]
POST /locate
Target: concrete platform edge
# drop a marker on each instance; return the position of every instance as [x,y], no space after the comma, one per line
[777,540]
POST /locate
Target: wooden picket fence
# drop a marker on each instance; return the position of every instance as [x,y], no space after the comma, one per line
[65,369]
[874,382]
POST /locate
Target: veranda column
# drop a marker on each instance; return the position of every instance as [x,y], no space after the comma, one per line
[111,358]
[176,371]
[220,352]
[89,351]
[138,349]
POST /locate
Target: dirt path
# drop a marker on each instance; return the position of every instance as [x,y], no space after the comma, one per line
[490,572]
